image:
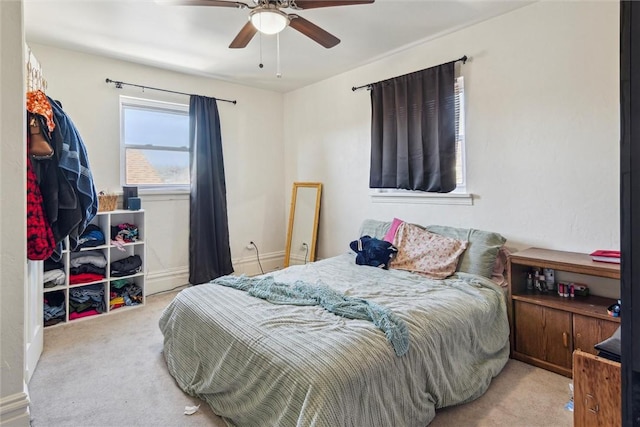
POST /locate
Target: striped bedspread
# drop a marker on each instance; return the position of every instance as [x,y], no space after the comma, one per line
[263,364]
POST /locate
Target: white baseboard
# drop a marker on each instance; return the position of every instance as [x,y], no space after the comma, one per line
[14,410]
[165,280]
[250,266]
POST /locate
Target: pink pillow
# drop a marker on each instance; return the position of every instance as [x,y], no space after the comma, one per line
[391,234]
[424,252]
[500,267]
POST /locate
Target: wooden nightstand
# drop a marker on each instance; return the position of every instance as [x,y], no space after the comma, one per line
[547,328]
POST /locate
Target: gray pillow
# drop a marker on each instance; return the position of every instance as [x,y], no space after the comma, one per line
[482,249]
[374,228]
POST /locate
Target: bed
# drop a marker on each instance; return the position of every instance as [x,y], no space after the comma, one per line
[257,363]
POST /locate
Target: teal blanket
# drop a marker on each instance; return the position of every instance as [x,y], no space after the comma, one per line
[301,293]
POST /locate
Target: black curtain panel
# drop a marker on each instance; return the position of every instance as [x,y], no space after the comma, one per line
[209,251]
[413,131]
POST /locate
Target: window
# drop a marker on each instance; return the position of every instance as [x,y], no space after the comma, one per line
[461,179]
[154,144]
[457,196]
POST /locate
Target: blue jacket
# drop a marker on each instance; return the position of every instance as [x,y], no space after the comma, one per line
[74,163]
[373,252]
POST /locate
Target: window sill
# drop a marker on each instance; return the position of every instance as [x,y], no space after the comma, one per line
[391,196]
[163,191]
[160,194]
[163,194]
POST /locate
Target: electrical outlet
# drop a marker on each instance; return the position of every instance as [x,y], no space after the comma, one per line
[250,246]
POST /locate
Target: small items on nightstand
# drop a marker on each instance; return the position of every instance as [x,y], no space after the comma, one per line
[541,280]
[570,289]
[550,278]
[605,256]
[614,309]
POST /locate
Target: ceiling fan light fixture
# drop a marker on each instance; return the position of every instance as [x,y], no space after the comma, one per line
[269,21]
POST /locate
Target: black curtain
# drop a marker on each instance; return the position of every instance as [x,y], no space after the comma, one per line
[413,131]
[209,251]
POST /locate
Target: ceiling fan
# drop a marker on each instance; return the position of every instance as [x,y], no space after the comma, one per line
[267,17]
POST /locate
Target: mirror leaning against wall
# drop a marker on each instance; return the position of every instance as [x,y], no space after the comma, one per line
[303,223]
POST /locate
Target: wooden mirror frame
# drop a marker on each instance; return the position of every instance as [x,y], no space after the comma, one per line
[292,213]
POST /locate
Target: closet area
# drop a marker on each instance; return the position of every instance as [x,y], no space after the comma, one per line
[86,259]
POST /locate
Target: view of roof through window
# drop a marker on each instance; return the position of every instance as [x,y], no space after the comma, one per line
[156,144]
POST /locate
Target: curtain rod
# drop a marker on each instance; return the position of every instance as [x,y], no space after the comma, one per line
[120,84]
[368,86]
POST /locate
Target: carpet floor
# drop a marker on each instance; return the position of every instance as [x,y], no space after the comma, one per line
[109,371]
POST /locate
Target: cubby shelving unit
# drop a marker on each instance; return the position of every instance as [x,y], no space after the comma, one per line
[112,252]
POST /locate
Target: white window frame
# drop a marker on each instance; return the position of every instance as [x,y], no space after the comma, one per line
[459,196]
[460,134]
[150,104]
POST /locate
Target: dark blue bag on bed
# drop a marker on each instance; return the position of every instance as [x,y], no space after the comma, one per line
[373,252]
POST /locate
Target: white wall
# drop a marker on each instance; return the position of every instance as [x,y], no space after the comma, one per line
[13,398]
[252,144]
[542,126]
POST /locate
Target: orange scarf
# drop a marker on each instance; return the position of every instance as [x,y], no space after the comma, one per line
[38,103]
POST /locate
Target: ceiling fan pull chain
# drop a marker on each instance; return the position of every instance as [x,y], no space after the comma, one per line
[278,72]
[261,64]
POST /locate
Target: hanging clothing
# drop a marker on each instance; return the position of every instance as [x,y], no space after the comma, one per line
[40,124]
[74,163]
[59,199]
[59,196]
[38,103]
[40,241]
[61,193]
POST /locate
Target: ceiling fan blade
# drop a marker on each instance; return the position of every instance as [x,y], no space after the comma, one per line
[244,36]
[312,31]
[218,3]
[314,4]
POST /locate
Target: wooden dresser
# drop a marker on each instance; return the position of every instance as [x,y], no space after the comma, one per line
[547,328]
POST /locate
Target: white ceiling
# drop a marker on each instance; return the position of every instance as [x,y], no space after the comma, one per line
[195,39]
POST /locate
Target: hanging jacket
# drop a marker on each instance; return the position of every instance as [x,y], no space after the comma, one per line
[59,196]
[74,162]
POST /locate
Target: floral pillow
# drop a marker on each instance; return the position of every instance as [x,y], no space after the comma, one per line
[424,252]
[482,248]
